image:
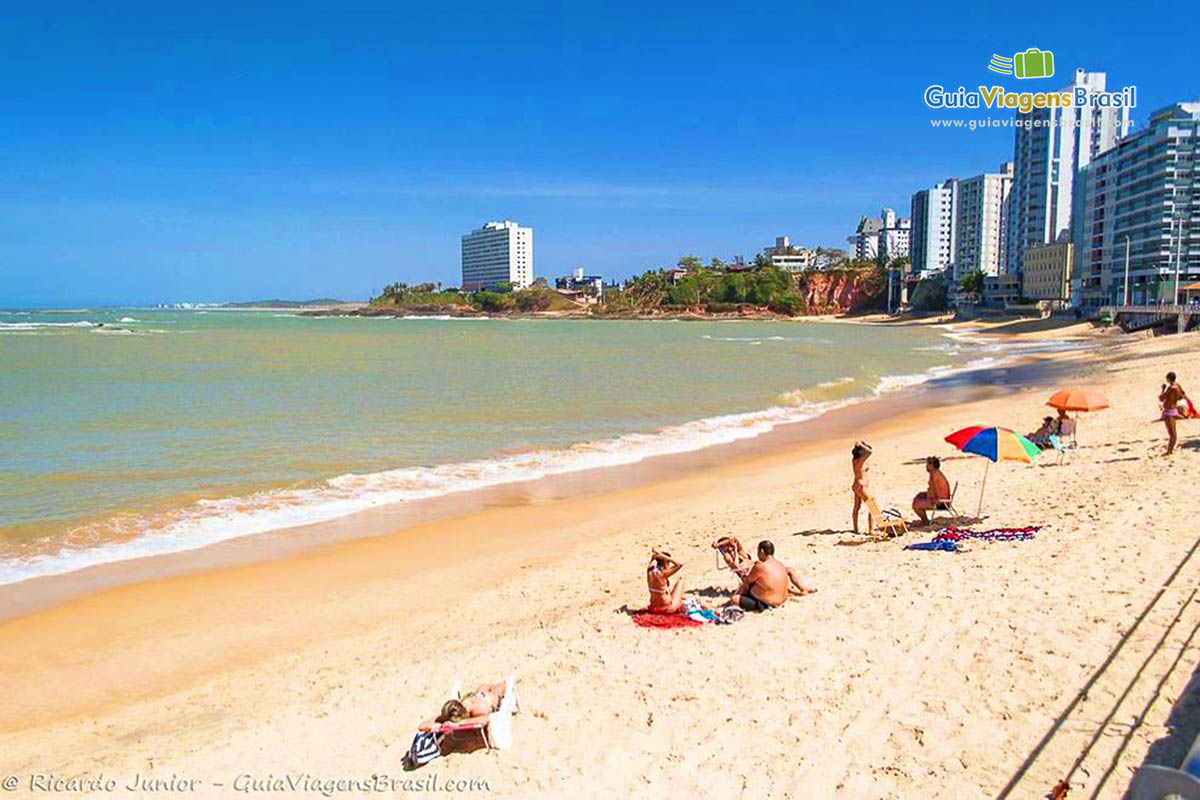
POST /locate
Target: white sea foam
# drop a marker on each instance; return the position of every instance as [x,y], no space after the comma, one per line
[211,521]
[128,319]
[30,326]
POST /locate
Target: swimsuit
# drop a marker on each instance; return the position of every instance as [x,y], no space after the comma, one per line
[748,602]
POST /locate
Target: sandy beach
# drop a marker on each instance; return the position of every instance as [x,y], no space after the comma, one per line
[908,674]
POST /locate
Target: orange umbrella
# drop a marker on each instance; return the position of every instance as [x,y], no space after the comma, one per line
[1078,398]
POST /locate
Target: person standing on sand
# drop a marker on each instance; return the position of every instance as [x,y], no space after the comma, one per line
[858,462]
[768,584]
[1170,397]
[664,598]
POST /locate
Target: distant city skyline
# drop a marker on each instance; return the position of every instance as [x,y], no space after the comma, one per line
[155,155]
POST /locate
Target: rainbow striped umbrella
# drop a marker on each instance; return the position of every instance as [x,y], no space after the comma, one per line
[994,444]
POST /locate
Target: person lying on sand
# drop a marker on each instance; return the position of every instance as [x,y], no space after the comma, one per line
[937,492]
[768,583]
[858,462]
[736,557]
[664,598]
[474,706]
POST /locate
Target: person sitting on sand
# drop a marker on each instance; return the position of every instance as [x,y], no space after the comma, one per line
[1171,396]
[736,557]
[858,462]
[474,706]
[665,598]
[1041,437]
[768,583]
[937,493]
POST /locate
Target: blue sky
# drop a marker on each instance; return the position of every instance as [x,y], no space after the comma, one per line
[163,152]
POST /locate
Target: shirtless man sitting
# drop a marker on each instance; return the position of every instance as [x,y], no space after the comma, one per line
[768,583]
[937,493]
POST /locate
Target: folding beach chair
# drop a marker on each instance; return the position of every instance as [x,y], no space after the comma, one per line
[1066,434]
[496,731]
[890,522]
[1059,447]
[946,505]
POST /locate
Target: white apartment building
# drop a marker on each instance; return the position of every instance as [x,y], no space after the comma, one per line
[1143,197]
[895,236]
[981,226]
[1051,146]
[934,227]
[784,255]
[499,252]
[884,238]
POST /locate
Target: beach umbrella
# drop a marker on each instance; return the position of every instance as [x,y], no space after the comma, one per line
[1078,398]
[994,444]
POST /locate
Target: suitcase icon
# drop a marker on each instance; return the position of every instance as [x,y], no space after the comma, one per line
[1034,63]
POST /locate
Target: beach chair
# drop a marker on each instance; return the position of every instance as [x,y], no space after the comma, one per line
[1066,434]
[890,522]
[1059,448]
[496,732]
[946,505]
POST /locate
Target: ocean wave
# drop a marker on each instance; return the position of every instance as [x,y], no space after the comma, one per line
[128,319]
[209,522]
[30,326]
[212,521]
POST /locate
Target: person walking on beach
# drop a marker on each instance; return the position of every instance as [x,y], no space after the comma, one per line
[665,598]
[768,583]
[858,462]
[936,493]
[1170,397]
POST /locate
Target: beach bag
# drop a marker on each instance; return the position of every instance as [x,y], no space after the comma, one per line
[424,748]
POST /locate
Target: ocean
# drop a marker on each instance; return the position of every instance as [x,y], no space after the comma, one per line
[135,432]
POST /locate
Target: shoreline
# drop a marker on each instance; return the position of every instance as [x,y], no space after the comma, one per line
[921,673]
[936,388]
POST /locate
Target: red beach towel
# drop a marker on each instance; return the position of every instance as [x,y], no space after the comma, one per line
[652,619]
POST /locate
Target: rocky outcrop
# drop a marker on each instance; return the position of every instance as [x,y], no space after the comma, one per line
[839,291]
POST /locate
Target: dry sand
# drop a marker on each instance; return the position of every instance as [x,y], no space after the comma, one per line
[908,675]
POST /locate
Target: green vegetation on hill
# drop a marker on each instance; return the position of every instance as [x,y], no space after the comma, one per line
[428,297]
[320,301]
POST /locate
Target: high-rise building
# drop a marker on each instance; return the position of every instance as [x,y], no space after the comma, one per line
[895,236]
[499,252]
[981,228]
[1143,195]
[885,238]
[934,235]
[1051,146]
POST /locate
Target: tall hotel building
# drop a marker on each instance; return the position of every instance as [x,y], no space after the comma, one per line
[499,252]
[1052,145]
[981,229]
[1145,191]
[934,234]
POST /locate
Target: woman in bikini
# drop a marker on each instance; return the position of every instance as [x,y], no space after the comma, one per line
[735,556]
[474,706]
[1170,397]
[665,598]
[858,460]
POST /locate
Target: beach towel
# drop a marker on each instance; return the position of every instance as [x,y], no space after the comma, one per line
[952,534]
[646,618]
[936,544]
